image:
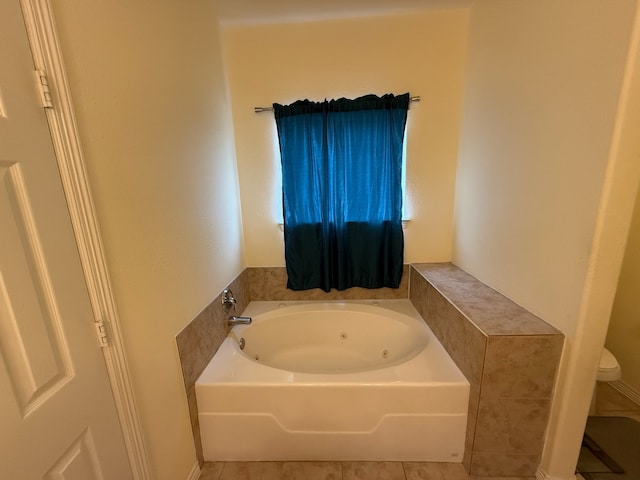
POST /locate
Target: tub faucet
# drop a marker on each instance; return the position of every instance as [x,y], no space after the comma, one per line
[228,300]
[233,320]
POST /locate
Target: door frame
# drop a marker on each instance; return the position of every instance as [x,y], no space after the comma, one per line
[617,202]
[47,56]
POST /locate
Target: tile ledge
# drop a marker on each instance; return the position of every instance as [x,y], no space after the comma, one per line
[490,311]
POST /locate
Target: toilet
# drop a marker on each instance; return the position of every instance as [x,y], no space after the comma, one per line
[608,371]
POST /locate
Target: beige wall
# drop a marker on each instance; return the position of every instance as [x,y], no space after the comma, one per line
[623,337]
[539,111]
[541,97]
[422,53]
[151,102]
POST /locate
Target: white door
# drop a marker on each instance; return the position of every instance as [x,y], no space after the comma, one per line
[57,414]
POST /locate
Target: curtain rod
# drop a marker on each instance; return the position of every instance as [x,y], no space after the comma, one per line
[270,109]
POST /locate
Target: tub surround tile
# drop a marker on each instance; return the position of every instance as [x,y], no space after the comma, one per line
[199,340]
[510,358]
[466,457]
[372,471]
[270,283]
[511,425]
[419,290]
[464,342]
[490,311]
[472,420]
[196,344]
[522,366]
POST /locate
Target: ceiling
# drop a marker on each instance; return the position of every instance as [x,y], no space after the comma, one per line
[232,12]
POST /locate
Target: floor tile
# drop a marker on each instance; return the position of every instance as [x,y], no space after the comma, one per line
[372,471]
[211,470]
[473,477]
[635,414]
[608,399]
[252,471]
[311,471]
[339,471]
[434,471]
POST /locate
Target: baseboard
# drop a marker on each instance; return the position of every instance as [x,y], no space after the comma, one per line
[542,475]
[626,390]
[195,472]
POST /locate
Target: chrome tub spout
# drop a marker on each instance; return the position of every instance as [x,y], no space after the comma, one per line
[233,320]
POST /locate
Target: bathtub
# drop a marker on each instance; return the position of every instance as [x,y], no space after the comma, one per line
[361,380]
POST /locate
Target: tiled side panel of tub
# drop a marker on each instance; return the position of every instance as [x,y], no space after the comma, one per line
[517,386]
[509,356]
[200,339]
[463,341]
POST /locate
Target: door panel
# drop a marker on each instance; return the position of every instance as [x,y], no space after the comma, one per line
[30,327]
[57,413]
[79,462]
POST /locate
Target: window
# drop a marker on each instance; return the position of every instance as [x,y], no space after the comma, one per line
[342,191]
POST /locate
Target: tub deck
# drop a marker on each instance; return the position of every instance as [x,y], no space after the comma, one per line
[414,411]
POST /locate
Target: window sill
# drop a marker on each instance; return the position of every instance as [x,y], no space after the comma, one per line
[404,224]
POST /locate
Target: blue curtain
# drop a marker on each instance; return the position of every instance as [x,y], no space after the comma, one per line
[342,191]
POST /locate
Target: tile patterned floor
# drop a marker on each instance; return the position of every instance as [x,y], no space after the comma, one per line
[611,403]
[338,471]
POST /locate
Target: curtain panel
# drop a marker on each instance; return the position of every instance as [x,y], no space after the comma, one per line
[342,191]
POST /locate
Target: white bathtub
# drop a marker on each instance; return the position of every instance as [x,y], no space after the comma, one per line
[332,381]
